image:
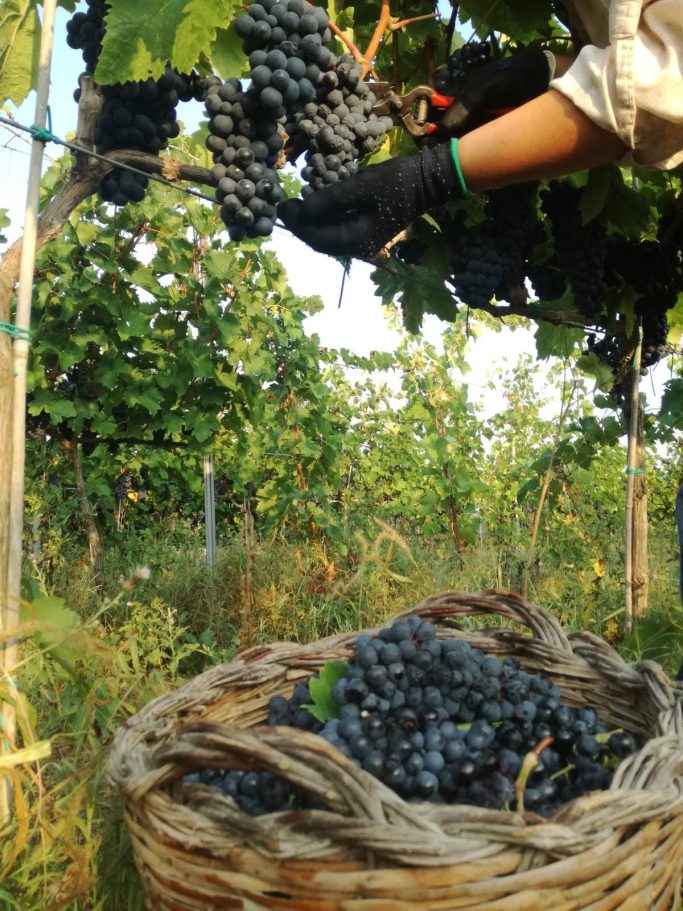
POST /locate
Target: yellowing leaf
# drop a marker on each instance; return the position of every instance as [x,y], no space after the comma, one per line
[599,568]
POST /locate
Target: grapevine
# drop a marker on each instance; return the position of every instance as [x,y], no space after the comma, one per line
[302,100]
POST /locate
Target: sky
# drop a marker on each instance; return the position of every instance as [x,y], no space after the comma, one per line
[360,324]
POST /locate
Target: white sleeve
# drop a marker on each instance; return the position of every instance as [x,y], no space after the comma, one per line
[634,87]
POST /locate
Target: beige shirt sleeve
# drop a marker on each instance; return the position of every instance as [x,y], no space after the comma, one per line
[634,86]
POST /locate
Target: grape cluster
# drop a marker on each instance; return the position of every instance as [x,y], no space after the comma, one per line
[653,269]
[139,116]
[299,94]
[548,279]
[257,793]
[438,720]
[135,115]
[85,31]
[580,248]
[338,127]
[463,61]
[290,25]
[245,143]
[123,486]
[490,257]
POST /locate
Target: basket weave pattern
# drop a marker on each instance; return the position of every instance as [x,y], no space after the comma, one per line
[369,850]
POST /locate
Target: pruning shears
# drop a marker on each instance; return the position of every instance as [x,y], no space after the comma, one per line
[413,108]
[420,109]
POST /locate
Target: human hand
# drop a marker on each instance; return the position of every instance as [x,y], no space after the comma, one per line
[359,216]
[504,83]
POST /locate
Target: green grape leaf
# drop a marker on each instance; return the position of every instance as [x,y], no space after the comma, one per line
[595,193]
[142,37]
[55,622]
[19,46]
[227,54]
[675,317]
[591,364]
[324,707]
[671,409]
[557,341]
[522,20]
[626,209]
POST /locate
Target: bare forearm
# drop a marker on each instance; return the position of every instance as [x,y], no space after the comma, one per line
[547,137]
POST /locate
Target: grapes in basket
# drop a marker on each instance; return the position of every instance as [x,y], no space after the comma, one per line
[438,720]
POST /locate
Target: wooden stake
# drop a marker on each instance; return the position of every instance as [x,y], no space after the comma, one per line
[630,482]
[10,562]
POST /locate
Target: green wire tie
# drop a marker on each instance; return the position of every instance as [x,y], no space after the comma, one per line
[15,331]
[634,470]
[458,169]
[78,499]
[42,134]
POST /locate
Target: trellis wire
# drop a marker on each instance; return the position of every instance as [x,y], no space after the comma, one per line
[74,147]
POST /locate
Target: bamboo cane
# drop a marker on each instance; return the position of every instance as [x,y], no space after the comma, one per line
[630,482]
[10,610]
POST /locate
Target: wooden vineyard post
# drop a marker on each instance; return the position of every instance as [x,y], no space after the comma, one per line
[640,571]
[632,469]
[14,391]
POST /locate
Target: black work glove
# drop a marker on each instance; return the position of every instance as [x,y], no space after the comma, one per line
[358,216]
[504,83]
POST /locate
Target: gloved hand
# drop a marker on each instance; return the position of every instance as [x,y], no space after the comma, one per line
[358,216]
[504,83]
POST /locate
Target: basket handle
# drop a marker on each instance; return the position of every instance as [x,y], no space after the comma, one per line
[450,605]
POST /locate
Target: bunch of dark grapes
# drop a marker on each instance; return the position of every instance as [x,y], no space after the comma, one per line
[438,720]
[580,248]
[257,793]
[139,116]
[490,258]
[461,63]
[123,486]
[285,43]
[650,267]
[245,143]
[548,279]
[299,93]
[655,331]
[339,126]
[85,31]
[653,269]
[292,26]
[135,115]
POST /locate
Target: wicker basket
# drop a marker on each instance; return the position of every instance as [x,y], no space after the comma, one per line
[371,851]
